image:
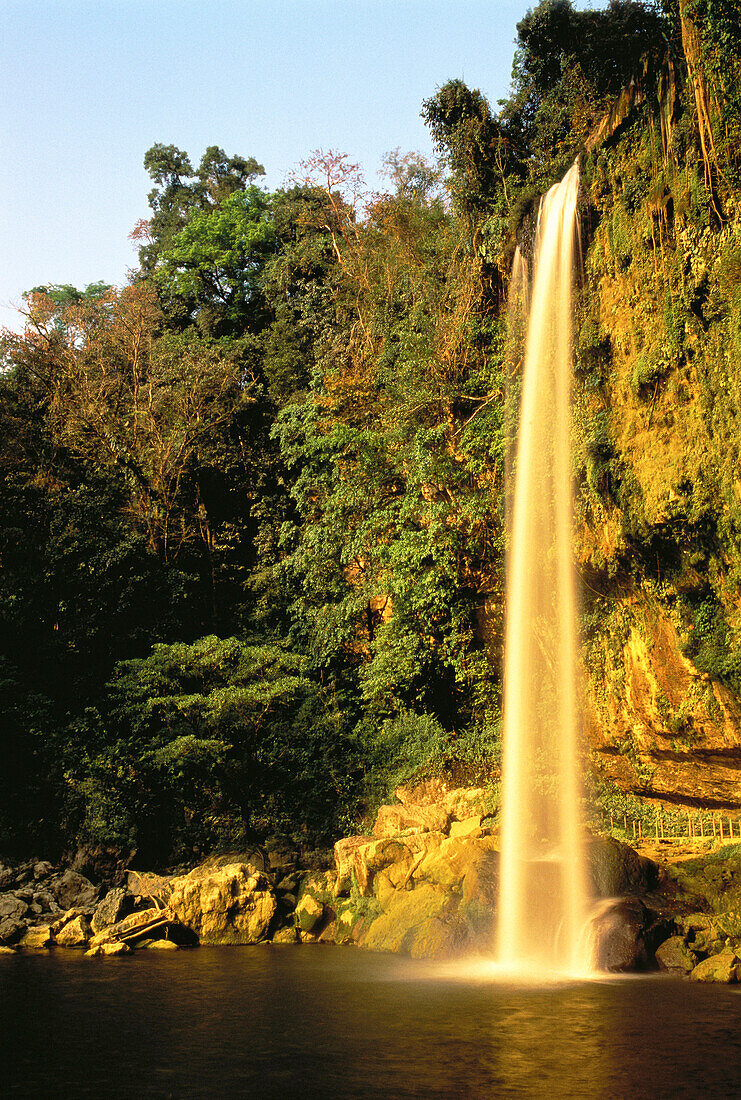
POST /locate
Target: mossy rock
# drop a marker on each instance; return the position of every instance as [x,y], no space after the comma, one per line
[674,955]
[724,967]
[408,910]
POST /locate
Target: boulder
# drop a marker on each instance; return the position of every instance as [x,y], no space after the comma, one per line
[286,935]
[471,827]
[344,858]
[162,945]
[393,820]
[404,921]
[12,912]
[116,905]
[431,792]
[116,948]
[674,955]
[619,932]
[38,937]
[7,950]
[42,869]
[466,802]
[229,904]
[404,854]
[72,890]
[309,913]
[616,869]
[725,967]
[74,933]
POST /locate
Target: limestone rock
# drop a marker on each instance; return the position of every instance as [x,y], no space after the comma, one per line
[162,945]
[229,904]
[674,955]
[431,792]
[42,869]
[725,967]
[404,921]
[463,803]
[470,827]
[404,854]
[75,933]
[117,904]
[7,950]
[38,937]
[117,948]
[285,935]
[344,858]
[309,913]
[72,890]
[393,820]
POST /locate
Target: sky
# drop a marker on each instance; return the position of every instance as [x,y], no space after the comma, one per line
[87,86]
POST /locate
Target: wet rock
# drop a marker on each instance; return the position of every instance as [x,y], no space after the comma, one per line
[38,937]
[286,935]
[725,967]
[74,933]
[404,924]
[616,869]
[114,948]
[620,934]
[72,890]
[674,955]
[162,945]
[116,905]
[229,904]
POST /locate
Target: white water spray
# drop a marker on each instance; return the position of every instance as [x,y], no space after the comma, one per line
[543,899]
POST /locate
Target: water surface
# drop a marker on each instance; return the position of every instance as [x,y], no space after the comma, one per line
[332,1022]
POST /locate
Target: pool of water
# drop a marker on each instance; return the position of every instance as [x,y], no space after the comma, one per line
[331,1022]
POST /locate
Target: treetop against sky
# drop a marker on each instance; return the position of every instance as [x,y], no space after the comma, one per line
[90,85]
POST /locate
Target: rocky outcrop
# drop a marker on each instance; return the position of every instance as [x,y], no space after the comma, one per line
[658,726]
[232,904]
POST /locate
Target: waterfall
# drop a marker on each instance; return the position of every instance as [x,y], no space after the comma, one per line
[543,898]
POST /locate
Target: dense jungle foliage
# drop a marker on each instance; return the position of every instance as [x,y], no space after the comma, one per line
[252,506]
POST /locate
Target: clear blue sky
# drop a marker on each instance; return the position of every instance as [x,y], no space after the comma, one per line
[89,85]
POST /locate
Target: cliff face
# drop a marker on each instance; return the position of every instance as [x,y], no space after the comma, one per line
[658,442]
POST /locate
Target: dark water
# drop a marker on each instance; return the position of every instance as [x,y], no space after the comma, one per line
[323,1022]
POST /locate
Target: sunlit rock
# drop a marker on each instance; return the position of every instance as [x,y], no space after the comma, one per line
[224,904]
[724,967]
[74,933]
[309,913]
[38,937]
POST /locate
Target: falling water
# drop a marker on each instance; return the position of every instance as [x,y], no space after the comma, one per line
[543,893]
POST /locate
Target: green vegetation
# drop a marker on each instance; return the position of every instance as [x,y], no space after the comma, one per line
[252,504]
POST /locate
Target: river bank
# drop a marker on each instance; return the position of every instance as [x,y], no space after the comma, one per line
[423,884]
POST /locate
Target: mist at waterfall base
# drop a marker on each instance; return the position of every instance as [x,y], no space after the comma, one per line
[543,898]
